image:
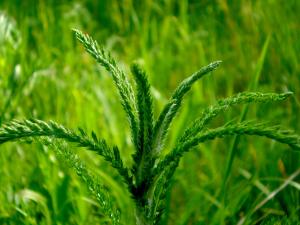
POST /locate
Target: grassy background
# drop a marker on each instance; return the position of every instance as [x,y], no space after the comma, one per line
[45,73]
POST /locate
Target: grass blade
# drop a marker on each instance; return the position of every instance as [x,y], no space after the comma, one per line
[235,141]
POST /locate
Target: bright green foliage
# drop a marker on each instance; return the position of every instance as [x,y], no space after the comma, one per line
[142,156]
[169,112]
[121,82]
[149,177]
[224,104]
[17,130]
[94,185]
[244,128]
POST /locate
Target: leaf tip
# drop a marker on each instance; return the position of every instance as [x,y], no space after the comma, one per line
[289,93]
[217,63]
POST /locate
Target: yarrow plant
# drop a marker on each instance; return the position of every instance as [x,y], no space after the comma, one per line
[149,177]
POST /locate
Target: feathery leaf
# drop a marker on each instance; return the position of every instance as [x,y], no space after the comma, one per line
[241,98]
[145,112]
[244,128]
[95,186]
[16,130]
[120,80]
[171,108]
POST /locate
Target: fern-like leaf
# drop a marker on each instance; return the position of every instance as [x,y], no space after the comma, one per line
[160,190]
[120,80]
[94,185]
[167,167]
[171,108]
[16,130]
[243,128]
[222,105]
[145,111]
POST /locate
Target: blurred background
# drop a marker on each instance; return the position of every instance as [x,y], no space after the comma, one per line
[45,74]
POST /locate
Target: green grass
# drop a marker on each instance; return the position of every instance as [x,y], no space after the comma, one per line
[46,75]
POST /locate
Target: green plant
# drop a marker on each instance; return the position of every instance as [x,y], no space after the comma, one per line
[149,177]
